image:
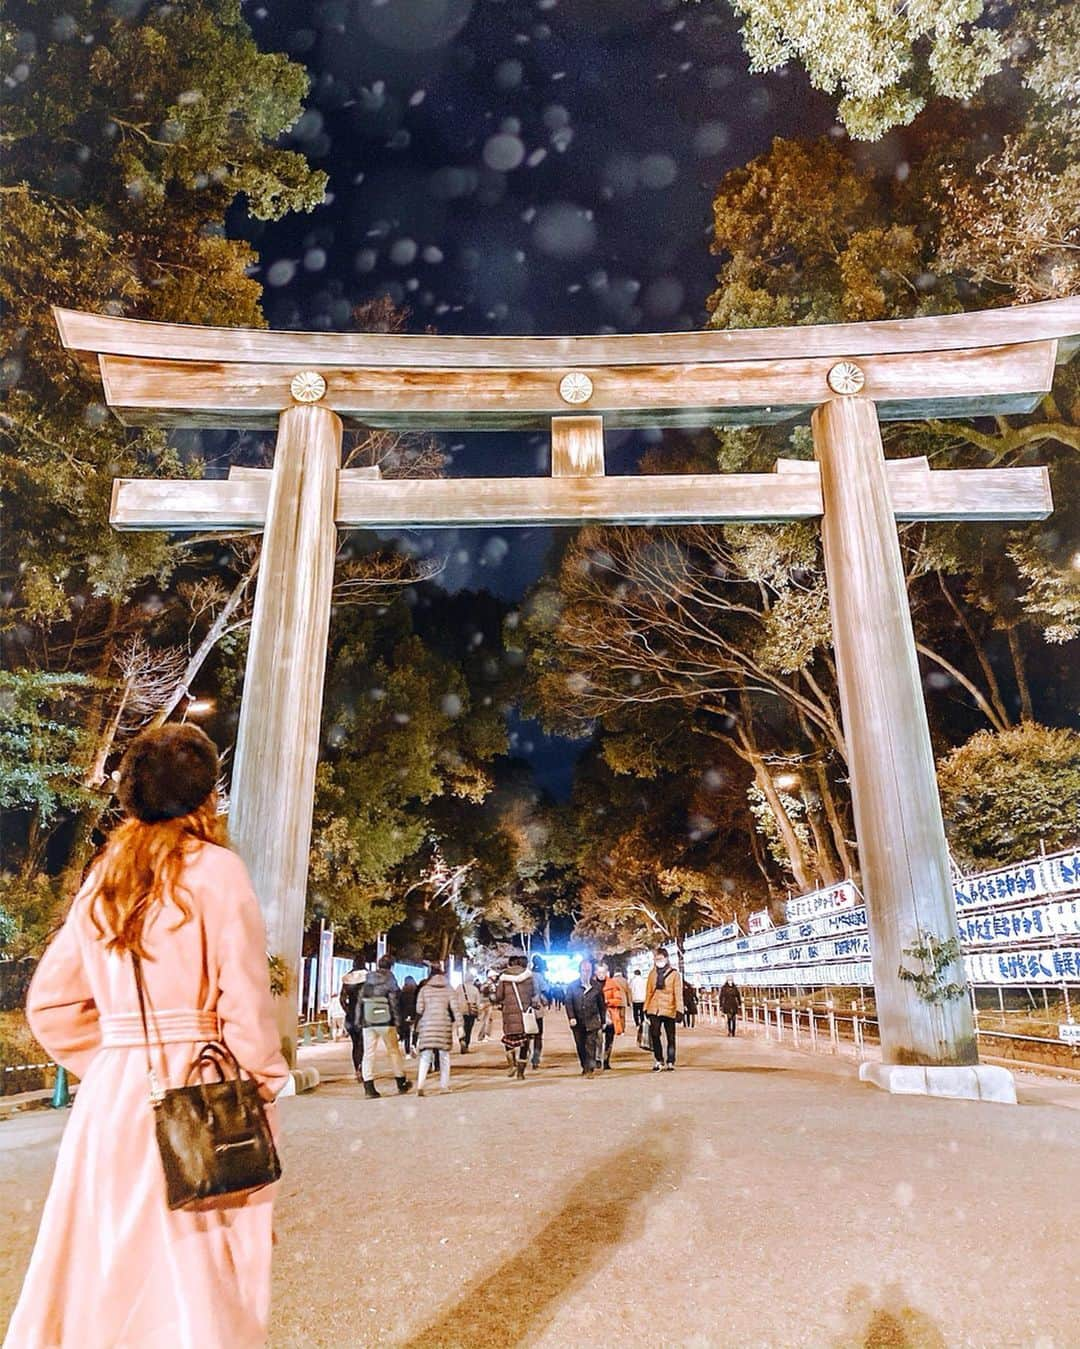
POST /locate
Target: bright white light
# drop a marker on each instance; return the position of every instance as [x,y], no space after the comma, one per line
[201,707]
[786,781]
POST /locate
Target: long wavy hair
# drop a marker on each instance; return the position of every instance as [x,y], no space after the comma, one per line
[140,864]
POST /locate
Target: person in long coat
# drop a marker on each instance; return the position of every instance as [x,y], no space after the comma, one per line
[516,992]
[438,1010]
[113,1265]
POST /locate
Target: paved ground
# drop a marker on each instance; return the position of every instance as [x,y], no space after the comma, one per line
[754,1197]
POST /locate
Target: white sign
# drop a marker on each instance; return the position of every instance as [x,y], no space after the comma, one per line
[1070,1032]
[759,922]
[836,897]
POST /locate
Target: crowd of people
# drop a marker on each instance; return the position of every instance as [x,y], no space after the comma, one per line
[426,1020]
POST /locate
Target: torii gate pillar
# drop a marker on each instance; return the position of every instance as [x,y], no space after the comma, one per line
[277,744]
[902,850]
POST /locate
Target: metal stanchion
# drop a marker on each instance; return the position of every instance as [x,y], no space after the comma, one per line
[61,1097]
[833,1041]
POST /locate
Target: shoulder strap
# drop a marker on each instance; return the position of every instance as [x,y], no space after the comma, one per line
[156,1093]
[517,995]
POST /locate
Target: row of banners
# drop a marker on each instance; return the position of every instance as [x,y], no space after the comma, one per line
[826,937]
[1060,965]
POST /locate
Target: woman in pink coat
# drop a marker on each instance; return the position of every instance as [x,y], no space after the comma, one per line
[113,1266]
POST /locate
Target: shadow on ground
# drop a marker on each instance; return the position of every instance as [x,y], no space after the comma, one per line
[888,1322]
[604,1210]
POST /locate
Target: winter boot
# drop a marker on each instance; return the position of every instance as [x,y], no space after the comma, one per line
[404,1085]
[369,1090]
[519,1072]
[511,1062]
[607,1065]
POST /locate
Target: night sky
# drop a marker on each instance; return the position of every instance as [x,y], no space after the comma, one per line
[515,167]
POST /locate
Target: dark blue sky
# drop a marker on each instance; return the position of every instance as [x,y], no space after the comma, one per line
[516,166]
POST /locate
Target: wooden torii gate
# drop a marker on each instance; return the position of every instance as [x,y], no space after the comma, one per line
[845,377]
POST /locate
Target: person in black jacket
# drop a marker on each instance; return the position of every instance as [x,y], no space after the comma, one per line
[587,1012]
[407,1003]
[730,1004]
[379,1015]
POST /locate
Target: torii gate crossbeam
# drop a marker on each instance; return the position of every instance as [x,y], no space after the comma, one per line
[848,376]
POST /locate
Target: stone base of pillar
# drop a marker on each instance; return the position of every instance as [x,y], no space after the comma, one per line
[981,1082]
[301,1080]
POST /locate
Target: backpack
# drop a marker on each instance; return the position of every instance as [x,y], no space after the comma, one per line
[376,1011]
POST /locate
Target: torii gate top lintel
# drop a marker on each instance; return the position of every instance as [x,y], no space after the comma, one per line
[987,362]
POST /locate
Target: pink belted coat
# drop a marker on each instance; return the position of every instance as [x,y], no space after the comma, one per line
[113,1267]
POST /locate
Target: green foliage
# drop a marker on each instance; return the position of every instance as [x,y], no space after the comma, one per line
[129,132]
[279,975]
[885,58]
[401,733]
[935,958]
[39,741]
[1006,795]
[36,904]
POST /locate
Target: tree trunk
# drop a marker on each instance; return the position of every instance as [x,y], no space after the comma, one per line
[826,867]
[836,822]
[788,836]
[214,634]
[1027,712]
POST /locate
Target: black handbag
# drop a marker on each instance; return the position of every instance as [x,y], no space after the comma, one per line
[214,1137]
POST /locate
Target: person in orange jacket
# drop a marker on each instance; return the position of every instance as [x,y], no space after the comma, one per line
[616,999]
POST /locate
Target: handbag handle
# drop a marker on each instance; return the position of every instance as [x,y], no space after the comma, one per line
[157,1092]
[220,1056]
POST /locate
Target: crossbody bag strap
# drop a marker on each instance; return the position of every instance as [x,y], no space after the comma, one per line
[156,1092]
[518,996]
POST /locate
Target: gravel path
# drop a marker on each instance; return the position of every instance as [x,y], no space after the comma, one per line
[754,1197]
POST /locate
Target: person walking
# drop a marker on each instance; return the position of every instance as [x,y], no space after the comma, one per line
[730,1004]
[438,1008]
[487,1010]
[663,1006]
[349,996]
[615,1000]
[543,996]
[470,1002]
[516,997]
[690,999]
[638,990]
[337,1017]
[380,1016]
[113,1264]
[407,1002]
[586,1012]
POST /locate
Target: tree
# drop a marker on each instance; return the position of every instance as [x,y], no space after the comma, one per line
[1007,795]
[885,58]
[130,132]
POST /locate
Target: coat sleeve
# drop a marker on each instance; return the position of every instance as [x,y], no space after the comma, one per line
[60,1006]
[245,1006]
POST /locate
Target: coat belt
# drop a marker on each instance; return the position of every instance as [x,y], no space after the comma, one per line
[170,1026]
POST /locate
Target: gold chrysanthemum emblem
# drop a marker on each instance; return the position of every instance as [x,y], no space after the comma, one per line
[575,387]
[846,377]
[308,386]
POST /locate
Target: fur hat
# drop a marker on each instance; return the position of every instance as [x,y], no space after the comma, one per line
[167,772]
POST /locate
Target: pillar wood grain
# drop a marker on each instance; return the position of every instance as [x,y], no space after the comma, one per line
[577,447]
[240,503]
[277,746]
[902,852]
[190,392]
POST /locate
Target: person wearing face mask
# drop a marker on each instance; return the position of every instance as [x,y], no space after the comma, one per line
[664,1006]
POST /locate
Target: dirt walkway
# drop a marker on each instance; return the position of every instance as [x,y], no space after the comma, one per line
[751,1198]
